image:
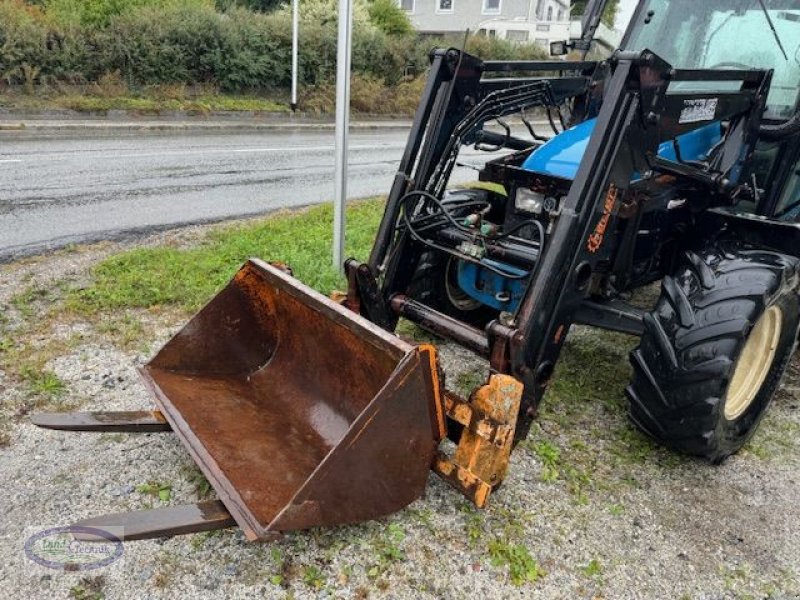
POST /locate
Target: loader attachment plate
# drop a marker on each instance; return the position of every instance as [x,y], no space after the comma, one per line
[299,412]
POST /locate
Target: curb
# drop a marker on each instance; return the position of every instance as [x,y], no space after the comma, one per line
[55,122]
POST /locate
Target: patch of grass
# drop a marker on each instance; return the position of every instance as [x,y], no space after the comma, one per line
[775,437]
[285,568]
[26,301]
[187,278]
[616,509]
[146,103]
[414,332]
[550,457]
[313,577]
[195,476]
[43,383]
[522,567]
[5,431]
[593,568]
[88,588]
[468,381]
[125,329]
[154,488]
[387,549]
[473,523]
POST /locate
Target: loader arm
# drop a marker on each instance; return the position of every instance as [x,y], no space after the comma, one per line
[645,103]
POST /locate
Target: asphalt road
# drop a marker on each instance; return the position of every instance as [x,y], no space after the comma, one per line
[64,190]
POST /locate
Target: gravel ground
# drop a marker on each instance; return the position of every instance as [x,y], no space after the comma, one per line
[602,512]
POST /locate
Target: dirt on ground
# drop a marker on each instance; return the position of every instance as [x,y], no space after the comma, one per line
[590,508]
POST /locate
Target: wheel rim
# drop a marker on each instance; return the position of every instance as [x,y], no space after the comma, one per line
[754,363]
[455,294]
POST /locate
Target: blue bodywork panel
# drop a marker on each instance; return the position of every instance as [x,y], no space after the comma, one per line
[562,155]
[489,287]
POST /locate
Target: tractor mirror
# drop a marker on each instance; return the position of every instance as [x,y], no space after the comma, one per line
[559,48]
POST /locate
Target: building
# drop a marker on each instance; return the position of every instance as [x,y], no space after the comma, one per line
[521,21]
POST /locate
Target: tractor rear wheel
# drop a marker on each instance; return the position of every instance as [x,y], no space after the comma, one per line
[715,348]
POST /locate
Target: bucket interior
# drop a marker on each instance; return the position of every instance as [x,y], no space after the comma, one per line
[265,381]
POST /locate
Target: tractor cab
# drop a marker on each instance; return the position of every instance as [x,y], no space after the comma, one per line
[747,34]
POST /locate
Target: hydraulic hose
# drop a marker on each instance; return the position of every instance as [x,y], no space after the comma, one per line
[777,133]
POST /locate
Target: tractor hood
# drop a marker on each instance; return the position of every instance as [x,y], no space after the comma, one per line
[561,156]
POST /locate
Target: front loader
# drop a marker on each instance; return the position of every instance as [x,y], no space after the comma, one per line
[675,160]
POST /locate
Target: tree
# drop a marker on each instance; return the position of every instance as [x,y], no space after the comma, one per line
[609,13]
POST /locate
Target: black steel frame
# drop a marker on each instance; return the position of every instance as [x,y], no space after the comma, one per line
[642,107]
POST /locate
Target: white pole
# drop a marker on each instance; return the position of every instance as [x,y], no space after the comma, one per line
[295,28]
[343,57]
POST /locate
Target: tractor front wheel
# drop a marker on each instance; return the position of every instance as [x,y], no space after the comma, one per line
[715,348]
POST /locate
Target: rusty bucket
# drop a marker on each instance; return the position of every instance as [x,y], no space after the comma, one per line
[299,412]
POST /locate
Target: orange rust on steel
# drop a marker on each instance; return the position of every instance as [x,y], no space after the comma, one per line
[461,411]
[438,403]
[298,411]
[481,458]
[500,337]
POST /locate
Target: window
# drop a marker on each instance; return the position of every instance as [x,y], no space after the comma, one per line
[444,6]
[790,198]
[543,43]
[560,15]
[406,5]
[543,27]
[539,8]
[492,33]
[549,13]
[517,35]
[491,7]
[719,35]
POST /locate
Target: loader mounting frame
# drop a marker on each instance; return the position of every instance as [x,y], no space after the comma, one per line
[642,107]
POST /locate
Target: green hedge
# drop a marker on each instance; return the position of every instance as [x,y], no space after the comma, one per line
[190,41]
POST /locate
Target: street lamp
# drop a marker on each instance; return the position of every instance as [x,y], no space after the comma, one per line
[295,28]
[343,58]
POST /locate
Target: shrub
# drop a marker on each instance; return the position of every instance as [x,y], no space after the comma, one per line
[23,42]
[175,42]
[387,15]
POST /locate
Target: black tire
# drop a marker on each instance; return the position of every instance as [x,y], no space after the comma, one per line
[435,285]
[688,353]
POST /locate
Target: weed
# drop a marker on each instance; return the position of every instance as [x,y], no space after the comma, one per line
[25,302]
[469,381]
[5,431]
[522,567]
[550,456]
[616,509]
[43,383]
[88,588]
[125,329]
[474,527]
[387,549]
[413,332]
[593,568]
[425,518]
[313,577]
[195,476]
[154,488]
